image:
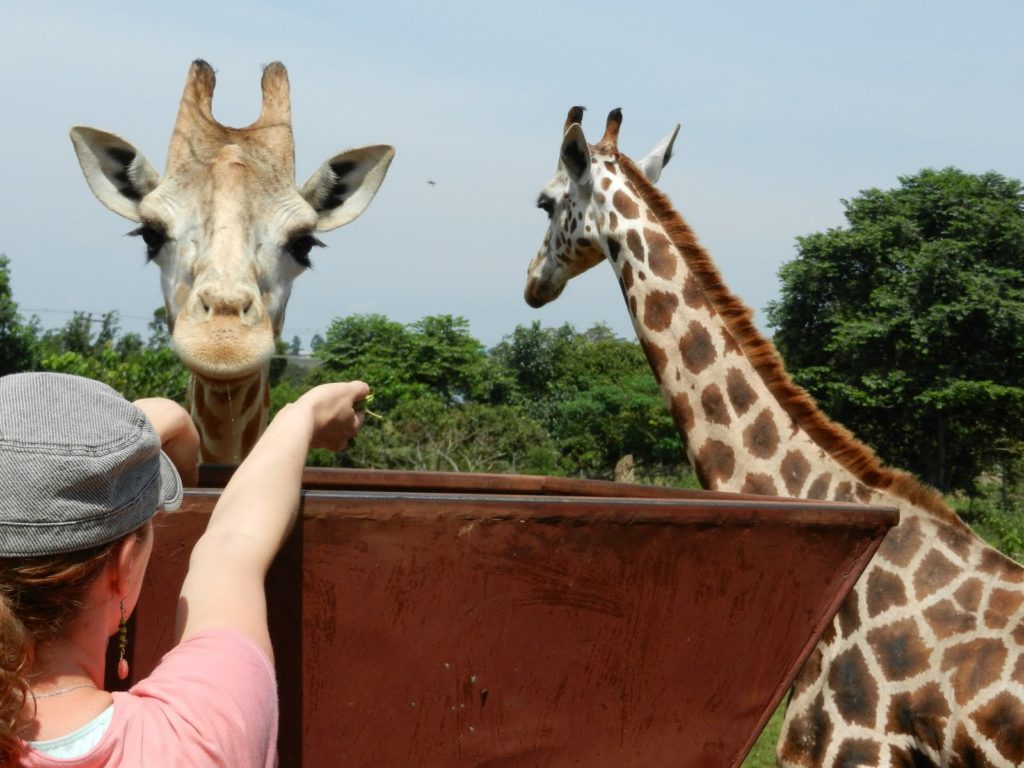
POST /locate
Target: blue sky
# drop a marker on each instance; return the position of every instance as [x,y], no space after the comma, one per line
[786,109]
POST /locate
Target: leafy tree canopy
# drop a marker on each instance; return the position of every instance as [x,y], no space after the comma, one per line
[908,324]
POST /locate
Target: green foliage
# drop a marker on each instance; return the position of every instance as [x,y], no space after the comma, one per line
[597,398]
[124,361]
[908,325]
[17,339]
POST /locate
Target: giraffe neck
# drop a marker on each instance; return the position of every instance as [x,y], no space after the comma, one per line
[229,414]
[746,427]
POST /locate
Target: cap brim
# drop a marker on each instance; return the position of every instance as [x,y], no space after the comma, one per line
[170,485]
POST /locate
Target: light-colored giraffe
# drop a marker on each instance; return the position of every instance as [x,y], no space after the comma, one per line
[924,663]
[230,232]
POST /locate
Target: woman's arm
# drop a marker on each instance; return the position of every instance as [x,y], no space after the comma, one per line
[178,435]
[224,586]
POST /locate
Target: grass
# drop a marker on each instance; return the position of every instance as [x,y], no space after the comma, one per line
[762,754]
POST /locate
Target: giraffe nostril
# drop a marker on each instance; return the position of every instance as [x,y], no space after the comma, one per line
[247,309]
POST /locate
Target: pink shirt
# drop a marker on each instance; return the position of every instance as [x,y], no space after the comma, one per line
[211,701]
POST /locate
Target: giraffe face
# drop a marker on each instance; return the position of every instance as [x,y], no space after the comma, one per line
[226,224]
[570,245]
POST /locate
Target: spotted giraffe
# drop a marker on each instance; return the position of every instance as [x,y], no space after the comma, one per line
[924,662]
[230,232]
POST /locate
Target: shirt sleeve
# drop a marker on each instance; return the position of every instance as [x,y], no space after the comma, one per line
[214,698]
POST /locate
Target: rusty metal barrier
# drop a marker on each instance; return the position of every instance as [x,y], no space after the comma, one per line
[441,619]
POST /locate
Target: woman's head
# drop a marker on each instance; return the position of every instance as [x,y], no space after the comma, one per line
[80,466]
[42,598]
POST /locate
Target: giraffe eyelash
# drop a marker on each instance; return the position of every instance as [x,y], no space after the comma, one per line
[153,237]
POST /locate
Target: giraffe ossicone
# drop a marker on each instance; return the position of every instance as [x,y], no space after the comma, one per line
[924,663]
[230,231]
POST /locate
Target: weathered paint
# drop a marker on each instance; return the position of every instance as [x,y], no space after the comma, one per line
[437,619]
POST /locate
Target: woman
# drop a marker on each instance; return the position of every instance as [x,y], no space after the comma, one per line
[81,475]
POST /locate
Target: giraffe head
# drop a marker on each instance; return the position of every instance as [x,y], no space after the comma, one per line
[226,224]
[573,243]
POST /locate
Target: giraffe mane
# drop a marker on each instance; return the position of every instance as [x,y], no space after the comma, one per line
[835,439]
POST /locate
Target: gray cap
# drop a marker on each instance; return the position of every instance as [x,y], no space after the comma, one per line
[79,465]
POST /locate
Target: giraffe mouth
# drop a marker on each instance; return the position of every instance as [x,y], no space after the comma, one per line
[223,353]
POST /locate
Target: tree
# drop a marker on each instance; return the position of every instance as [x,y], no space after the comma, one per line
[17,339]
[908,324]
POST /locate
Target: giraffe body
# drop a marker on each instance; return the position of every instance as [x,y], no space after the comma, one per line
[230,232]
[924,663]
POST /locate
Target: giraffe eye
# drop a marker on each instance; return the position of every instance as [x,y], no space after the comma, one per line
[153,237]
[547,205]
[300,246]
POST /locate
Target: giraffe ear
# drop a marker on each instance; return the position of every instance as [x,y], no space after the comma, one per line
[116,171]
[575,154]
[652,165]
[343,187]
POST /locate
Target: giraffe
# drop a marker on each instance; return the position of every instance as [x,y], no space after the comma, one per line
[924,662]
[230,232]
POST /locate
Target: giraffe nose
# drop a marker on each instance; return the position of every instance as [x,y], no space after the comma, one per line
[211,303]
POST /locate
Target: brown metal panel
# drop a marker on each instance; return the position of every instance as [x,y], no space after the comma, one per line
[480,628]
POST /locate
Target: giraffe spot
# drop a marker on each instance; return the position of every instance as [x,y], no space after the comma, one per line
[899,649]
[625,205]
[659,309]
[682,413]
[974,665]
[902,542]
[967,750]
[713,403]
[1002,604]
[610,166]
[761,438]
[714,463]
[656,358]
[848,615]
[920,713]
[627,275]
[640,275]
[250,435]
[759,484]
[854,690]
[213,426]
[692,293]
[844,491]
[731,347]
[934,573]
[968,594]
[885,590]
[697,348]
[1018,634]
[807,737]
[854,753]
[605,182]
[660,254]
[911,757]
[740,393]
[819,488]
[252,395]
[1018,669]
[863,493]
[613,220]
[958,541]
[997,564]
[946,620]
[635,245]
[795,469]
[632,306]
[1001,721]
[613,248]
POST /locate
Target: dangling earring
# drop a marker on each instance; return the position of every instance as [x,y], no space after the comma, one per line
[122,645]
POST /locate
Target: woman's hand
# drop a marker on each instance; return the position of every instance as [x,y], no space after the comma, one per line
[335,418]
[179,438]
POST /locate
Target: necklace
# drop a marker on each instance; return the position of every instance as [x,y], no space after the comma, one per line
[60,691]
